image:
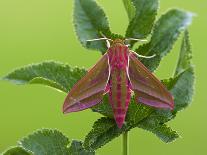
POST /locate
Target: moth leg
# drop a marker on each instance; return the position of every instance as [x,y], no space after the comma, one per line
[107,89]
[108,44]
[143,56]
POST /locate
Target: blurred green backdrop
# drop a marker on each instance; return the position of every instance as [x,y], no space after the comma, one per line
[37,30]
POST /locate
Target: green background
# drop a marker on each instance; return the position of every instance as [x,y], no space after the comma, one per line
[37,30]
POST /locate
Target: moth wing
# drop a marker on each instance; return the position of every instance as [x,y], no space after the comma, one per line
[148,89]
[89,90]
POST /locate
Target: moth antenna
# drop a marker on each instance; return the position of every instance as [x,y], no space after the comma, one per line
[135,39]
[143,56]
[90,40]
[106,39]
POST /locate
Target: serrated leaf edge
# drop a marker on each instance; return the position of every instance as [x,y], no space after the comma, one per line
[12,147]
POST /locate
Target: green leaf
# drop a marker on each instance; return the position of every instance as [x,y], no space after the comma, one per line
[141,25]
[155,124]
[183,89]
[90,23]
[184,76]
[47,82]
[53,74]
[114,36]
[17,151]
[76,148]
[137,112]
[162,131]
[130,9]
[104,107]
[184,61]
[46,141]
[166,32]
[104,130]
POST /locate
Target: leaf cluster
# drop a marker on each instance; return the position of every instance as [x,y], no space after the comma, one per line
[91,22]
[48,141]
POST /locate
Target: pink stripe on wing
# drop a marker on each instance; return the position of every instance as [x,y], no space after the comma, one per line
[154,103]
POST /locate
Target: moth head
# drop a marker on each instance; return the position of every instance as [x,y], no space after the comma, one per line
[118,42]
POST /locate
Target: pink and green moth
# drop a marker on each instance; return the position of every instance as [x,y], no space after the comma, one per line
[118,73]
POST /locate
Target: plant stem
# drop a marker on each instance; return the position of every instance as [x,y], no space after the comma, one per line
[125,143]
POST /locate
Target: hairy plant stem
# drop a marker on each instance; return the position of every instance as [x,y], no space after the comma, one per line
[125,143]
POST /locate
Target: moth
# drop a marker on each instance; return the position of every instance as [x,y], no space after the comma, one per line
[118,73]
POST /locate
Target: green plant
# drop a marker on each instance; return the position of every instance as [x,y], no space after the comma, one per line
[94,24]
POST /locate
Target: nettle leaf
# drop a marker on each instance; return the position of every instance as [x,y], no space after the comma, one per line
[140,26]
[53,74]
[76,148]
[155,124]
[104,107]
[137,112]
[104,130]
[182,85]
[185,57]
[162,131]
[183,89]
[166,32]
[138,115]
[17,150]
[46,141]
[130,9]
[184,75]
[90,23]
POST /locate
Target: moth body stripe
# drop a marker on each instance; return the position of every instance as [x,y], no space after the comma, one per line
[120,93]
